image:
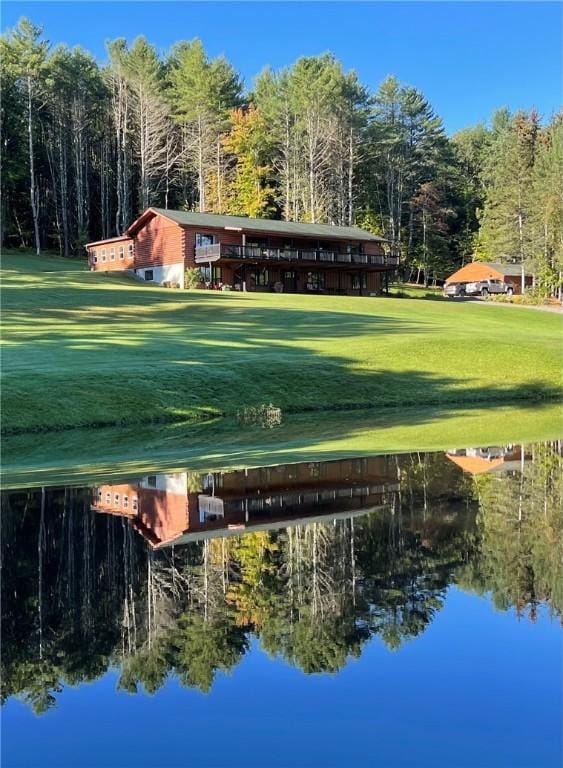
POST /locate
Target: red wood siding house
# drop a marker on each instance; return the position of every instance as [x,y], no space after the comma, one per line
[247,254]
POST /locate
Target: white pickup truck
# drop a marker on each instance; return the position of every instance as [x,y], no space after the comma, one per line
[484,287]
[480,288]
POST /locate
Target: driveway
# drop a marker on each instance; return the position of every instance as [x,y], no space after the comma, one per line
[557,308]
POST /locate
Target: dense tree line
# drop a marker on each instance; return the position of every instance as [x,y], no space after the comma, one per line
[82,591]
[85,148]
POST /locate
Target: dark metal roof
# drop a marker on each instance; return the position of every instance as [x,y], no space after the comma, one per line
[512,270]
[108,240]
[272,226]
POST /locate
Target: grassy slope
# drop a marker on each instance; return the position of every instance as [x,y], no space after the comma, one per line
[86,456]
[86,349]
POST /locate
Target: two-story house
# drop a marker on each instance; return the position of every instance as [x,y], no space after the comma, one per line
[246,254]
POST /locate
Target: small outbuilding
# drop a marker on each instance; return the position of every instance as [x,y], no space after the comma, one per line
[482,270]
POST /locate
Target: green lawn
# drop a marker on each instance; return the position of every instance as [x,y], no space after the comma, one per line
[84,349]
[84,456]
[411,291]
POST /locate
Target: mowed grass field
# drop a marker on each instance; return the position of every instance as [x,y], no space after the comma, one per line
[86,456]
[84,349]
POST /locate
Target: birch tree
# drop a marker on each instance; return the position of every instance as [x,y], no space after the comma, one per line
[120,100]
[151,124]
[314,112]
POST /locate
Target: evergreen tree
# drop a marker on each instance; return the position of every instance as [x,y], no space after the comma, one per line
[506,226]
[24,54]
[202,92]
[547,209]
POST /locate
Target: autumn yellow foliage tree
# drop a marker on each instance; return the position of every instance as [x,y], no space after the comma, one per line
[249,192]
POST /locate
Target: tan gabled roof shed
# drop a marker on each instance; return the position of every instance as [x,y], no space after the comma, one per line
[482,270]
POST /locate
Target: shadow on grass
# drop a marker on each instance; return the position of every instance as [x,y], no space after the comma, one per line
[138,356]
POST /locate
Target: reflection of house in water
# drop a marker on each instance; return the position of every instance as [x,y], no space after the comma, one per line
[477,461]
[173,509]
[157,505]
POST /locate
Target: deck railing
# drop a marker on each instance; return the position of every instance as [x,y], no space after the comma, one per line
[208,252]
[252,253]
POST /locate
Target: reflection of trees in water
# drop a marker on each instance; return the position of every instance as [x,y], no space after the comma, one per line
[520,522]
[81,592]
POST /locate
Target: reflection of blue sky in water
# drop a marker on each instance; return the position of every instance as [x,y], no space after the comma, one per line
[478,688]
[468,685]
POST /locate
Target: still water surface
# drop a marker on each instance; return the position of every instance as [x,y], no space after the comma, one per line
[397,610]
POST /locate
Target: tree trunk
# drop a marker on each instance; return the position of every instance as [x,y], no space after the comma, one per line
[32,185]
[201,176]
[521,245]
[351,179]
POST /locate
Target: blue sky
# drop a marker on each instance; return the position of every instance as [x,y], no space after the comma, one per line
[467,58]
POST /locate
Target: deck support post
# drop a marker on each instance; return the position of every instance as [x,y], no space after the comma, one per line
[244,265]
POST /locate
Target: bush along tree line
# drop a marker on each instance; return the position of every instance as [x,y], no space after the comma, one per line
[85,148]
[82,592]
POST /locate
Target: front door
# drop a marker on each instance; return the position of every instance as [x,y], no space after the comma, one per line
[289,282]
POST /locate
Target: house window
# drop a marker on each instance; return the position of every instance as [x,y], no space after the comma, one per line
[151,481]
[103,254]
[261,277]
[116,499]
[211,276]
[130,251]
[125,501]
[316,281]
[100,494]
[94,257]
[121,252]
[112,254]
[359,280]
[134,503]
[149,274]
[108,498]
[202,240]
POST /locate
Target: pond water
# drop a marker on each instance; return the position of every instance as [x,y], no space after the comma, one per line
[393,610]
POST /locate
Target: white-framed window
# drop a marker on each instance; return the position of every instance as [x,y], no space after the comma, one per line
[116,499]
[103,253]
[125,501]
[149,274]
[94,258]
[108,498]
[112,254]
[121,252]
[130,251]
[134,503]
[100,494]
